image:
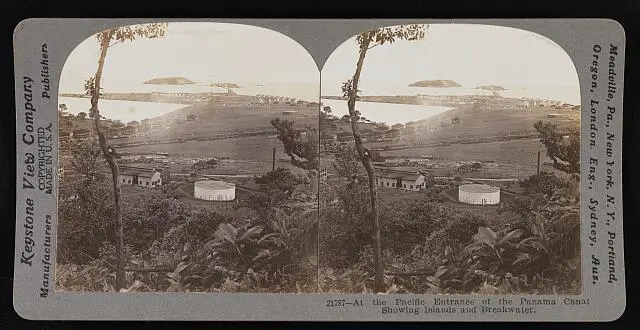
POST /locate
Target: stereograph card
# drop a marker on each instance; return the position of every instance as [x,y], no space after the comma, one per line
[319,170]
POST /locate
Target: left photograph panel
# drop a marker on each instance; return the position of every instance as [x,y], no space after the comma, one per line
[188,161]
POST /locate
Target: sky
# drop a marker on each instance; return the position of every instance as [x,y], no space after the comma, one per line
[208,52]
[471,55]
[200,51]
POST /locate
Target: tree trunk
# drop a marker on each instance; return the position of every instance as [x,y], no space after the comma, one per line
[366,162]
[109,155]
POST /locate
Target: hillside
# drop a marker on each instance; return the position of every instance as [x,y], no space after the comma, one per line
[435,83]
[169,81]
[491,88]
[235,117]
[467,123]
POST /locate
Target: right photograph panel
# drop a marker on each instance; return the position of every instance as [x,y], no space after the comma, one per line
[450,163]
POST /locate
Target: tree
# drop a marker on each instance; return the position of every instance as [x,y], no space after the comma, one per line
[562,148]
[84,206]
[281,179]
[82,115]
[63,113]
[85,161]
[92,88]
[301,146]
[367,41]
[347,164]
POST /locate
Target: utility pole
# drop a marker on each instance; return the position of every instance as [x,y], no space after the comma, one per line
[538,163]
[538,175]
[273,160]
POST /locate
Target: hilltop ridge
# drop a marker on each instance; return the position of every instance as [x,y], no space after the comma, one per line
[435,83]
[169,81]
[225,85]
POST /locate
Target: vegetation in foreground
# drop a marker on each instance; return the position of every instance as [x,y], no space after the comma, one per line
[162,244]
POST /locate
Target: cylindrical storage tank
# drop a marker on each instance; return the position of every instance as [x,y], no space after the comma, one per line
[211,190]
[479,194]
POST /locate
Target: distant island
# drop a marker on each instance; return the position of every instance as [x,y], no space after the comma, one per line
[226,85]
[169,81]
[492,88]
[435,83]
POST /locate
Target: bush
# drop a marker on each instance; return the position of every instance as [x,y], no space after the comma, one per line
[149,220]
[281,179]
[545,183]
[406,224]
[345,227]
[264,257]
[402,230]
[204,164]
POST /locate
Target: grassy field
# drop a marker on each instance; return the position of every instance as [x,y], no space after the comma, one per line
[517,152]
[246,155]
[232,119]
[489,123]
[257,148]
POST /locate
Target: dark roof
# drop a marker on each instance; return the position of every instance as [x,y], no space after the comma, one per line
[139,171]
[403,174]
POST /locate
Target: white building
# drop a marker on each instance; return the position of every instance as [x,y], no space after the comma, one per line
[400,178]
[140,176]
[478,194]
[212,190]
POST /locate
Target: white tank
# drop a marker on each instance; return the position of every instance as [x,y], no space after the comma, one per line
[211,190]
[479,194]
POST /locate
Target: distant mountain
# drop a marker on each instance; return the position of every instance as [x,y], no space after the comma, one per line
[435,83]
[225,85]
[169,81]
[492,88]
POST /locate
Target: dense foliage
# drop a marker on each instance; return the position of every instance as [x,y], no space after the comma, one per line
[301,145]
[173,246]
[281,179]
[562,147]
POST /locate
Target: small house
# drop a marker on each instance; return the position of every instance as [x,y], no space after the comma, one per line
[408,179]
[140,176]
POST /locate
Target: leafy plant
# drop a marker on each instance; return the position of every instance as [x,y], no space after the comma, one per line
[250,256]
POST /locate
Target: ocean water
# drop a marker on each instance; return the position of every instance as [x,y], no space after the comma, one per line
[120,110]
[309,91]
[389,113]
[300,90]
[566,94]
